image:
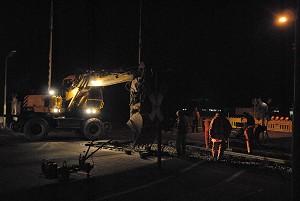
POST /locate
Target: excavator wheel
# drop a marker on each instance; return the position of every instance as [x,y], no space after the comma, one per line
[92,129]
[15,126]
[36,129]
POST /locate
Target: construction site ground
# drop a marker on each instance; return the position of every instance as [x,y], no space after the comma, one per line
[263,175]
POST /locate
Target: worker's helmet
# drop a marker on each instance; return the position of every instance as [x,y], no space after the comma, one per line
[179,113]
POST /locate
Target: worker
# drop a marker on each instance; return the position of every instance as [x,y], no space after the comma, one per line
[248,132]
[195,120]
[206,126]
[14,104]
[258,131]
[219,132]
[182,126]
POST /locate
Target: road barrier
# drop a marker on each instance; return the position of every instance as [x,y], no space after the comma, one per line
[279,125]
[272,125]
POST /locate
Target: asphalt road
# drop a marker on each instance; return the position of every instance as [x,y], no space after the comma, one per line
[118,176]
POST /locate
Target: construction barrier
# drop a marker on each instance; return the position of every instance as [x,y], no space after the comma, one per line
[272,125]
[281,126]
[236,121]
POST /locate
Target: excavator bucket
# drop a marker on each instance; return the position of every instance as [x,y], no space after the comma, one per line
[143,129]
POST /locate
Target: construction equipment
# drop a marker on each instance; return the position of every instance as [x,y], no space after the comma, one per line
[78,107]
[52,171]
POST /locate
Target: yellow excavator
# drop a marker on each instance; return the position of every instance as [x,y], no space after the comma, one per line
[78,107]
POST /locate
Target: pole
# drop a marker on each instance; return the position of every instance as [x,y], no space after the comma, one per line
[5,89]
[296,126]
[5,86]
[50,49]
[157,129]
[140,34]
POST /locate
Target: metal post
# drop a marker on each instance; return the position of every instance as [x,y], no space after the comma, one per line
[296,126]
[228,144]
[5,86]
[157,129]
[140,34]
[50,48]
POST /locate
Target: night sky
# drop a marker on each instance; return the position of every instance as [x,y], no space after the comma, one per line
[224,51]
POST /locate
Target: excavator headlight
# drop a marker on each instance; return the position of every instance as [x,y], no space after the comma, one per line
[56,110]
[51,92]
[96,82]
[91,111]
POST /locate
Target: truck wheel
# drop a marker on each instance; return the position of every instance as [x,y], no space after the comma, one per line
[36,129]
[15,126]
[92,129]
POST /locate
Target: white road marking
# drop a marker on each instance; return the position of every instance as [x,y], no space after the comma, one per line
[150,184]
[234,176]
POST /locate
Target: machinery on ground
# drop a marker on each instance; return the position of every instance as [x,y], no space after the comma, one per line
[79,105]
[52,171]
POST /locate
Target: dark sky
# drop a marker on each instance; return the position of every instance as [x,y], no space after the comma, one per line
[225,51]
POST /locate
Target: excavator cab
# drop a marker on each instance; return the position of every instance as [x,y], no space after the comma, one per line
[93,106]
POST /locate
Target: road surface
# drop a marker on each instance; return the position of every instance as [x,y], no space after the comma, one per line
[119,176]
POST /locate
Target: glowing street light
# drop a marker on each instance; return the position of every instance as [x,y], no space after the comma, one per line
[5,86]
[282,19]
[51,92]
[285,18]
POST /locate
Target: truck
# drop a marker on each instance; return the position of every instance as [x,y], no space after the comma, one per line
[79,105]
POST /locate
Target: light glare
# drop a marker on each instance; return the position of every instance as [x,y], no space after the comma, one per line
[283,19]
[51,92]
[96,82]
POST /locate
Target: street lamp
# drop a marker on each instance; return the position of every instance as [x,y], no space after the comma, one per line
[282,19]
[285,18]
[295,180]
[296,110]
[9,55]
[284,22]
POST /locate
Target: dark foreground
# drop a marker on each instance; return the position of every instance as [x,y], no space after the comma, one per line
[118,176]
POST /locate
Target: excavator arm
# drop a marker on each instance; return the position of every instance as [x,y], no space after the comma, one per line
[78,88]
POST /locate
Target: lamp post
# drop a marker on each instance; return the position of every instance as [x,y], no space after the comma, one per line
[296,110]
[5,86]
[285,21]
[295,180]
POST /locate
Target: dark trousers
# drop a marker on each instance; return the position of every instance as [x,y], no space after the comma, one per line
[195,125]
[180,143]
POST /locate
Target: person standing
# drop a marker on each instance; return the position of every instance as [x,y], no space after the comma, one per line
[182,126]
[220,129]
[206,127]
[195,120]
[248,132]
